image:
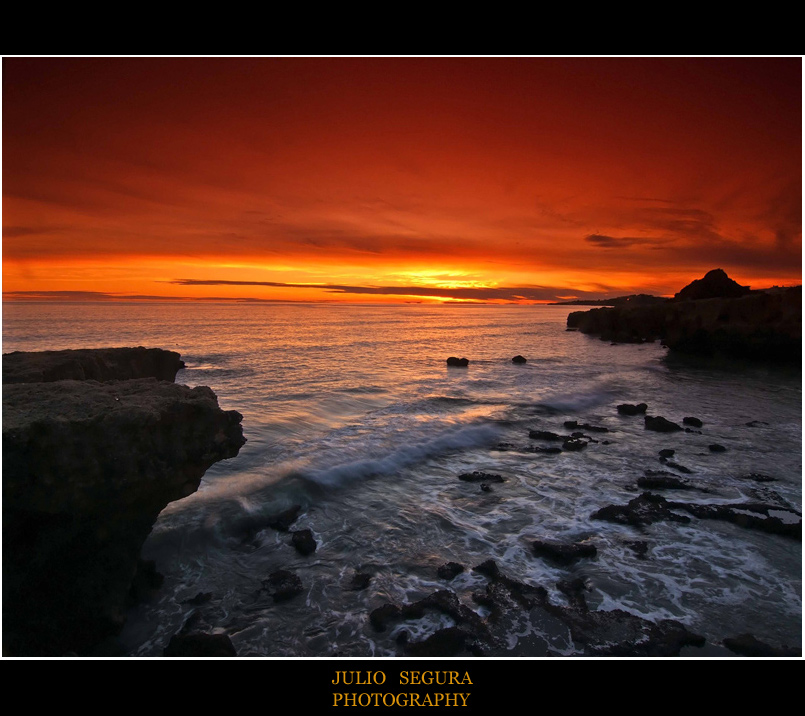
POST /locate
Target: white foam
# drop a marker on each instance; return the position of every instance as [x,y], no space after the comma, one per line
[456,439]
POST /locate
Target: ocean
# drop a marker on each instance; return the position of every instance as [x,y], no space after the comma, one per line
[351,412]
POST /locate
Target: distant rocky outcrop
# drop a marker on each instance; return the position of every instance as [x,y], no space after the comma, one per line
[762,325]
[714,284]
[87,468]
[91,364]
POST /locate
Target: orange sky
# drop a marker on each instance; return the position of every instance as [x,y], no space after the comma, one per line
[398,179]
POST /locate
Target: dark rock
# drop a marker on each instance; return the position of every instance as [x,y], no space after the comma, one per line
[574,590]
[677,466]
[714,284]
[574,444]
[545,435]
[764,325]
[303,542]
[485,487]
[360,580]
[748,645]
[450,570]
[660,424]
[518,359]
[199,599]
[489,568]
[283,585]
[282,522]
[695,422]
[643,510]
[667,452]
[479,476]
[715,447]
[755,423]
[503,447]
[382,616]
[457,362]
[619,633]
[563,553]
[101,364]
[209,645]
[597,633]
[569,424]
[658,480]
[747,515]
[629,409]
[545,450]
[693,432]
[87,468]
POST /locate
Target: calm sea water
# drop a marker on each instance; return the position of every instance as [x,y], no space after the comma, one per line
[351,412]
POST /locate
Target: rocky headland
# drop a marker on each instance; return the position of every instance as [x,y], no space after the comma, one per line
[712,316]
[87,468]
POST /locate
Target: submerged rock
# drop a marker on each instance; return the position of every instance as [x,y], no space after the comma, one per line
[303,542]
[563,553]
[518,359]
[283,585]
[87,468]
[695,422]
[479,476]
[658,480]
[457,362]
[282,521]
[360,580]
[715,447]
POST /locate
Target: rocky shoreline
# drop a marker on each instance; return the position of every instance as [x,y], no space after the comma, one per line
[712,316]
[87,468]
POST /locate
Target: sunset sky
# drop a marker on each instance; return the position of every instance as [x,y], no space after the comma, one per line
[487,179]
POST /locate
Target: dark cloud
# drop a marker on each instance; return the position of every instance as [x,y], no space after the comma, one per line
[620,242]
[512,293]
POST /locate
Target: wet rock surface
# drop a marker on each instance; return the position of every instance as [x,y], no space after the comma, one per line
[649,508]
[593,633]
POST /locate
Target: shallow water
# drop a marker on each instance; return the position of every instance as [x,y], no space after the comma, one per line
[351,412]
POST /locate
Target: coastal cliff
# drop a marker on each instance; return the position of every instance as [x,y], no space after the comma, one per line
[757,325]
[91,364]
[87,468]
